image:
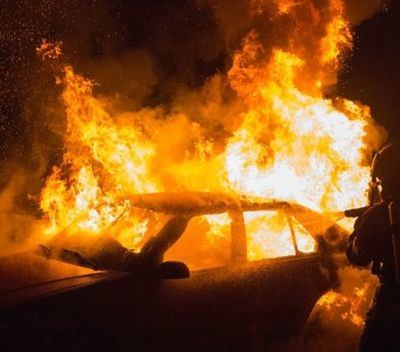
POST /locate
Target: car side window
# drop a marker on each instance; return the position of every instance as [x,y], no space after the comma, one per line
[274,233]
[305,242]
[205,243]
[268,235]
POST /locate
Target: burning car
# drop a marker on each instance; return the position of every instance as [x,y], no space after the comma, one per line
[121,266]
[233,299]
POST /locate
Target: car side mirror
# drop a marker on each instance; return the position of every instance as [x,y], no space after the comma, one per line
[172,270]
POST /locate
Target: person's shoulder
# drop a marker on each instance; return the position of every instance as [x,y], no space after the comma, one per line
[376,209]
[374,213]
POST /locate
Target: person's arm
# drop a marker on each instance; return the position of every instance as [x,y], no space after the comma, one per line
[360,246]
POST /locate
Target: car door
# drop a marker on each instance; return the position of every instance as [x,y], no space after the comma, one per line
[240,303]
[263,291]
[283,257]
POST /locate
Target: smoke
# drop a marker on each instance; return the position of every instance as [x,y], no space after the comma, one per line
[18,225]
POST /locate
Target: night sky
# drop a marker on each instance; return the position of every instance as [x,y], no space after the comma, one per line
[149,49]
[372,73]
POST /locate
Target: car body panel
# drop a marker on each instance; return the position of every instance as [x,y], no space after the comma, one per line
[268,298]
[242,306]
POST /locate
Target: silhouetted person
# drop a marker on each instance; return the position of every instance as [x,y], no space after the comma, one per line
[374,240]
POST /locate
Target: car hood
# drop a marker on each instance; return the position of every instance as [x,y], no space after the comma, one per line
[27,268]
[27,274]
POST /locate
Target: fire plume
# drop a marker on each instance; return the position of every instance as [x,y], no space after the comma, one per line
[290,142]
[103,162]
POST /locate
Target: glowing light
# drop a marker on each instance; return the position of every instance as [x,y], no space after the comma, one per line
[291,143]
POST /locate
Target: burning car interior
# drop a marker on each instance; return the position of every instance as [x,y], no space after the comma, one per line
[187,175]
[239,218]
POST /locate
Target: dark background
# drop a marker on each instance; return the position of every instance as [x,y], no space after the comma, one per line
[149,49]
[372,73]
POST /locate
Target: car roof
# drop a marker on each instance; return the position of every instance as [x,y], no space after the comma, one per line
[201,203]
[207,203]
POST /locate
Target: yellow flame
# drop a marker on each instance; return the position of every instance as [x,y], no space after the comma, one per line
[291,142]
[268,235]
[103,162]
[351,307]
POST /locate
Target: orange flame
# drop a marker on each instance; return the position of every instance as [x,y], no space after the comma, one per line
[351,308]
[103,162]
[292,143]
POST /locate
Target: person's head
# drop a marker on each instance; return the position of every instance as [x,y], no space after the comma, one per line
[385,170]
